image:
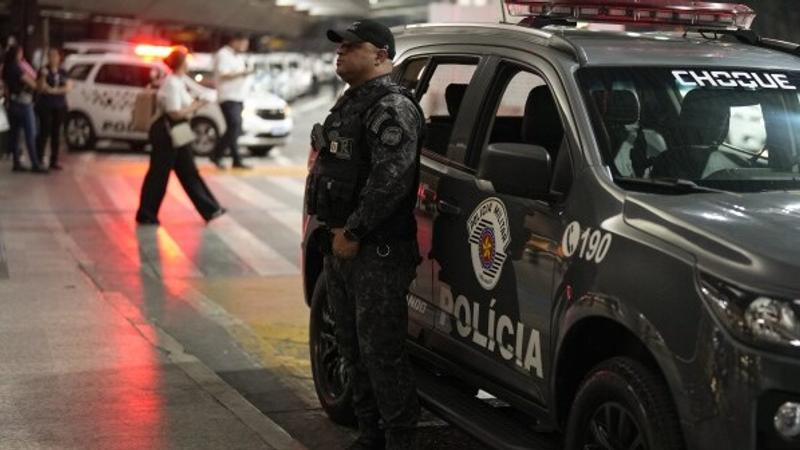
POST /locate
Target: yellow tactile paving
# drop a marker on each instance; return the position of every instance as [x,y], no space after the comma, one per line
[274,311]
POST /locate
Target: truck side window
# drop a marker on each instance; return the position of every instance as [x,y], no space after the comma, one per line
[527,114]
[80,72]
[124,75]
[410,74]
[441,100]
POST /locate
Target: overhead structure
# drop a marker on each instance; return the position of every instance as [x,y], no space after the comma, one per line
[359,8]
[284,17]
[253,15]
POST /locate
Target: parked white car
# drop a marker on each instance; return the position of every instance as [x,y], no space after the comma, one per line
[106,85]
[266,118]
[286,74]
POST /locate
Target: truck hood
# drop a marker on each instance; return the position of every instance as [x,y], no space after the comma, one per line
[752,239]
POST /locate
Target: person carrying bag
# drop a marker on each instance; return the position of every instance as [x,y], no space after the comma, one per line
[171,137]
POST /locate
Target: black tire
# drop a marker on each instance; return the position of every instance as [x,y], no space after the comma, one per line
[620,403]
[327,366]
[260,150]
[207,136]
[78,132]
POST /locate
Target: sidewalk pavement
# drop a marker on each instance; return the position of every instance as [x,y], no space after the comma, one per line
[82,369]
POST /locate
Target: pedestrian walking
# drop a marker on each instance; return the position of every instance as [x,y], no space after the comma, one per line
[171,138]
[363,188]
[20,81]
[51,106]
[232,82]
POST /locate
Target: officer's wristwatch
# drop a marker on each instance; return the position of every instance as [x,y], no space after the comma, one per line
[350,236]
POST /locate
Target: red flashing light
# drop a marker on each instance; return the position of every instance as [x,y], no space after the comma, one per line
[644,12]
[153,51]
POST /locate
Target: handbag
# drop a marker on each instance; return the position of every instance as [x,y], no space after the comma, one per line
[144,110]
[181,134]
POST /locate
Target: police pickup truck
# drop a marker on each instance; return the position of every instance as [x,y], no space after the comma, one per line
[609,219]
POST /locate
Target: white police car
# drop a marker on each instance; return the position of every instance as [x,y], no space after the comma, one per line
[106,85]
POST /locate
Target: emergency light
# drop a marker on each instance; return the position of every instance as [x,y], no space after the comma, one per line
[642,12]
[153,51]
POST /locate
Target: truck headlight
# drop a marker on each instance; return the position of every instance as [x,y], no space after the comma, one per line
[755,318]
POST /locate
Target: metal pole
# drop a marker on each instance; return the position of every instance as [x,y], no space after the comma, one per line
[503,12]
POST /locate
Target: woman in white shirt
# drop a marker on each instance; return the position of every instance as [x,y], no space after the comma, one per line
[177,106]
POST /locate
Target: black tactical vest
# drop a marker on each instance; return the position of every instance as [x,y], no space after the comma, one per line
[343,163]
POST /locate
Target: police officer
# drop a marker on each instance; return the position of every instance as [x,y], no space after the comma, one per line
[363,188]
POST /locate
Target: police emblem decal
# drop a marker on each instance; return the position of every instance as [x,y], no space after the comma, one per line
[392,136]
[489,238]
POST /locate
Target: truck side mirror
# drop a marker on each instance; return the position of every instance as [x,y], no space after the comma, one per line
[522,170]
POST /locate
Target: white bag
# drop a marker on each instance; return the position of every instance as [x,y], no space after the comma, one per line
[4,126]
[181,134]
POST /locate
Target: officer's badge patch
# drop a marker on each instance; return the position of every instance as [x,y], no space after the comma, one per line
[342,148]
[489,238]
[377,123]
[392,136]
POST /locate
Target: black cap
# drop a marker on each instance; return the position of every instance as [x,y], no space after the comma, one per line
[370,31]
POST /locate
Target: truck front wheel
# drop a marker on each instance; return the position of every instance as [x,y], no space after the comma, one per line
[327,365]
[622,404]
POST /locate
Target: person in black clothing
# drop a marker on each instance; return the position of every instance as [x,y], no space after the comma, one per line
[52,106]
[177,106]
[362,188]
[20,80]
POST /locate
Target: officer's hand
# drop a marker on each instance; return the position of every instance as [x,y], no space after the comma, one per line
[342,247]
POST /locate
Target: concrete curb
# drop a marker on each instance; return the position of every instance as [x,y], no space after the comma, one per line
[275,437]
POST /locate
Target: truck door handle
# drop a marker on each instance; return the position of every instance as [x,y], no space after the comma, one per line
[448,208]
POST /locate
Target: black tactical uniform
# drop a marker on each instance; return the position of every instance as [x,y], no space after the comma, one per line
[365,181]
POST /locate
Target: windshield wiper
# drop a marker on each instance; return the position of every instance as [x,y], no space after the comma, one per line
[671,185]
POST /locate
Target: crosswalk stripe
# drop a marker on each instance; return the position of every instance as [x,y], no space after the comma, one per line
[109,226]
[295,186]
[172,261]
[289,217]
[262,258]
[146,246]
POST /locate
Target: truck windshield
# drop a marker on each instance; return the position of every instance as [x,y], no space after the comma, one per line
[730,129]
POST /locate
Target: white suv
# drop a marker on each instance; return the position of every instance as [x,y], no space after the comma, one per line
[101,106]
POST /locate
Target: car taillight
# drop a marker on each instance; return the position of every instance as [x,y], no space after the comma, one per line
[644,12]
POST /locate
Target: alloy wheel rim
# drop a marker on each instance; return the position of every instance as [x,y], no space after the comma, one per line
[78,131]
[332,366]
[206,137]
[613,427]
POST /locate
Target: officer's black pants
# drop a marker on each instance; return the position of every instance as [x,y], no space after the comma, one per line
[232,111]
[368,297]
[163,160]
[50,122]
